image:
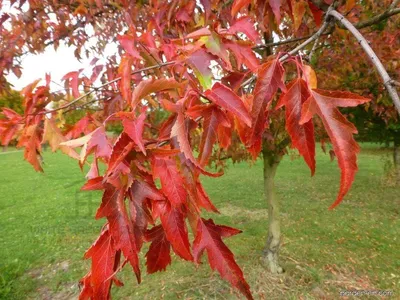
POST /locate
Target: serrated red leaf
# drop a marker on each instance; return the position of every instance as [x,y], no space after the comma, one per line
[128,43]
[246,26]
[113,208]
[97,283]
[139,214]
[134,128]
[340,130]
[171,180]
[269,79]
[176,232]
[302,136]
[31,140]
[80,127]
[93,184]
[213,119]
[227,99]
[244,55]
[317,13]
[209,238]
[158,257]
[203,199]
[73,80]
[179,131]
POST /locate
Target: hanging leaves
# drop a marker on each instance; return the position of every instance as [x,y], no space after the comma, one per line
[181,92]
[340,130]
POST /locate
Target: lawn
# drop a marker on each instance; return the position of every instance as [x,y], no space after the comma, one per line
[46,224]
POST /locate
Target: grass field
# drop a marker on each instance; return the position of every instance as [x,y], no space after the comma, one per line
[46,224]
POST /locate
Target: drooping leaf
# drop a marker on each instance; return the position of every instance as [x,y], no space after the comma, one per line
[138,212]
[158,257]
[243,54]
[269,79]
[302,135]
[226,98]
[213,119]
[176,232]
[73,80]
[317,13]
[103,254]
[180,132]
[31,140]
[171,180]
[134,128]
[114,209]
[340,130]
[209,239]
[200,62]
[299,8]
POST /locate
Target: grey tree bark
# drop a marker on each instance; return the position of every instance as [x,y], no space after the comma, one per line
[271,250]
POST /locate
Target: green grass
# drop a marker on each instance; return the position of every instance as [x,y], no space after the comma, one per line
[46,224]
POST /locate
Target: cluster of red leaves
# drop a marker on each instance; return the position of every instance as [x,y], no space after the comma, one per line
[151,184]
[136,210]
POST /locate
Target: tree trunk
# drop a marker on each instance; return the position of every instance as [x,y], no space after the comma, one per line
[271,251]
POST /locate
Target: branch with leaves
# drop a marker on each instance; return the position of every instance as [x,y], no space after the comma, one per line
[387,80]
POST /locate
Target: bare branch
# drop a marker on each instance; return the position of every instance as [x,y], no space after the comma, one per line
[372,56]
[284,42]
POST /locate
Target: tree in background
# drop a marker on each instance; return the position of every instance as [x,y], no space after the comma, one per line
[12,100]
[188,75]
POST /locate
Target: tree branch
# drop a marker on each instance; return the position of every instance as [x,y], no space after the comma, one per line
[103,85]
[388,82]
[394,4]
[314,37]
[379,18]
[391,11]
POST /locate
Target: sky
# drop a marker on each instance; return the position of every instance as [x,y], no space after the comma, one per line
[57,63]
